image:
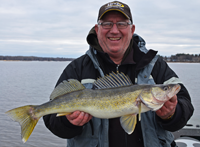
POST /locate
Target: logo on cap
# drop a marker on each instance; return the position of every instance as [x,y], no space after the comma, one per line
[115,4]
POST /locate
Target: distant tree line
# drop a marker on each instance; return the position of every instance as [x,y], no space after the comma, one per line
[33,58]
[181,57]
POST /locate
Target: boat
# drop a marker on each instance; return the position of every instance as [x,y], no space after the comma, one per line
[189,136]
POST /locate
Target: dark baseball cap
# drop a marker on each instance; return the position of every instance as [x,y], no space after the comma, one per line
[115,6]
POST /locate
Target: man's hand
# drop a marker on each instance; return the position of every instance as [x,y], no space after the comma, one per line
[168,109]
[79,118]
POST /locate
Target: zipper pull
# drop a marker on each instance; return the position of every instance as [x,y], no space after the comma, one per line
[117,68]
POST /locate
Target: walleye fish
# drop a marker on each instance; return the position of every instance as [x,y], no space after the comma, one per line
[113,96]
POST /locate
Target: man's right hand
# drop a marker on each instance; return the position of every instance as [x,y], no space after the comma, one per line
[79,118]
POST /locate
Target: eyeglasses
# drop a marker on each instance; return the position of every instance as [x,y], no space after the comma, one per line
[109,25]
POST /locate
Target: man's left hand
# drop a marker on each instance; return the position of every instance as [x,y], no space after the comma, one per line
[168,109]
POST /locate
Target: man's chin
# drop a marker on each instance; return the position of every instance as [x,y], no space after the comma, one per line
[115,49]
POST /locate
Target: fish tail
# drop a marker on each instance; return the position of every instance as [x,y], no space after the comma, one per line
[26,118]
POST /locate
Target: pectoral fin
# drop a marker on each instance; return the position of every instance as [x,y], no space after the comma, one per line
[128,123]
[140,109]
[63,114]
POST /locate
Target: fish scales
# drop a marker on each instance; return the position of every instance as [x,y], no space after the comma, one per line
[108,101]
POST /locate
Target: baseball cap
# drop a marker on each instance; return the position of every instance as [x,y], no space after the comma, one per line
[115,6]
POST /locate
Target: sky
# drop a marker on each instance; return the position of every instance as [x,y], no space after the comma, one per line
[58,28]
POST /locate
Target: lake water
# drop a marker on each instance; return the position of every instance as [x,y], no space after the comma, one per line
[24,83]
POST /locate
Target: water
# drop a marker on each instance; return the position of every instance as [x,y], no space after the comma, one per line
[24,83]
[189,73]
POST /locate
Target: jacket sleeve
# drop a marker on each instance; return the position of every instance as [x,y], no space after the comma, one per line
[60,126]
[184,109]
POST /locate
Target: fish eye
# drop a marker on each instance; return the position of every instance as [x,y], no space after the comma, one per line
[165,88]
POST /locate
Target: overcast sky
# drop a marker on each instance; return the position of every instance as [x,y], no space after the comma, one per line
[58,28]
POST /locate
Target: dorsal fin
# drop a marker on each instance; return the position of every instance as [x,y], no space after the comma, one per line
[66,87]
[113,80]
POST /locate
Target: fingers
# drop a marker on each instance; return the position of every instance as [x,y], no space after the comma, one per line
[166,111]
[173,99]
[79,118]
[168,108]
[85,118]
[74,115]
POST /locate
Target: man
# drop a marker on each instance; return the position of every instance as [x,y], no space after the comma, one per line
[115,48]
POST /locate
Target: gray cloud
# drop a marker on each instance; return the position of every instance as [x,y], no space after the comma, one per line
[58,28]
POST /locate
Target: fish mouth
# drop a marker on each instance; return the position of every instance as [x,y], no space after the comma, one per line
[175,90]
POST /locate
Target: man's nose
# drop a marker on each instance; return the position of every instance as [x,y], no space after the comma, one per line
[114,29]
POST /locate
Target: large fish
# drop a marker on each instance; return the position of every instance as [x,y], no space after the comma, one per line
[112,96]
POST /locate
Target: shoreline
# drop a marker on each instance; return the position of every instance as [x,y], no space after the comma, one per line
[72,60]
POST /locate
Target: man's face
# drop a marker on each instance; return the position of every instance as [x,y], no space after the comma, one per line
[114,41]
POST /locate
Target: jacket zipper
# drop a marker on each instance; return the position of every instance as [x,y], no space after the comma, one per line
[117,68]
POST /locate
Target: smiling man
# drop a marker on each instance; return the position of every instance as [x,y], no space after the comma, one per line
[115,48]
[114,32]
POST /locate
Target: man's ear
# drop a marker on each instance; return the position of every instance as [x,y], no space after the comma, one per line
[96,28]
[133,29]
